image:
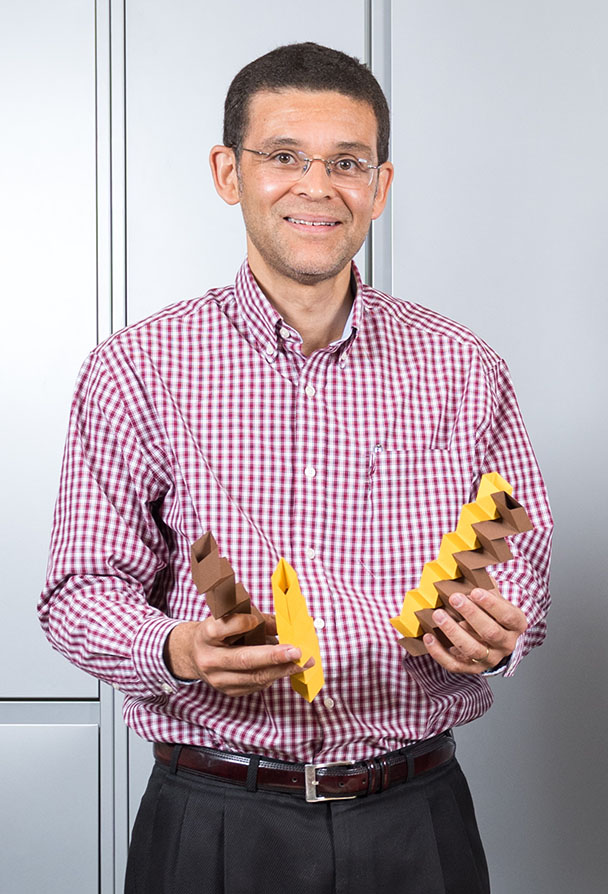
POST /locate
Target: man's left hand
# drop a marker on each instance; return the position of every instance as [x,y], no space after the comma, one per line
[487,633]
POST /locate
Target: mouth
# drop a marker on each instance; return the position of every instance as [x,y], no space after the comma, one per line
[312,223]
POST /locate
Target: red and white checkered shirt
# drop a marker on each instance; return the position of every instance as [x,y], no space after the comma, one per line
[351,463]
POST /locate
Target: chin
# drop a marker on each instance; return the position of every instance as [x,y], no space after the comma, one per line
[309,273]
[310,277]
[304,267]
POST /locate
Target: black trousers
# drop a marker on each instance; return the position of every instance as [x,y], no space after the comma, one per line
[195,835]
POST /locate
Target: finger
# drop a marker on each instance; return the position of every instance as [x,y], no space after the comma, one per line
[499,633]
[237,680]
[456,653]
[452,659]
[467,644]
[216,630]
[255,658]
[271,624]
[263,663]
[496,606]
[478,625]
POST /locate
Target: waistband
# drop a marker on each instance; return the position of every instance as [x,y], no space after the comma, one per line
[316,782]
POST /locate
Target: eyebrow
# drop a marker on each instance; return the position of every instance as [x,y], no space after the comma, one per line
[342,146]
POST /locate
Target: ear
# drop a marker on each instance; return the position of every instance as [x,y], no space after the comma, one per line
[385,178]
[225,174]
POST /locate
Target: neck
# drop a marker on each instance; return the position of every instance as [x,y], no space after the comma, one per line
[317,311]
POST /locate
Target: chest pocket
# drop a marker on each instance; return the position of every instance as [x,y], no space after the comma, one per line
[414,497]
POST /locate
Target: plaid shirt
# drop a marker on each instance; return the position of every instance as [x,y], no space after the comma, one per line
[351,463]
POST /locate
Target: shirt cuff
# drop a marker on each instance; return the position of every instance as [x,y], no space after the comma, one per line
[532,636]
[148,656]
[499,670]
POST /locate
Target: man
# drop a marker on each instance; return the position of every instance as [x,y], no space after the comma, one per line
[297,413]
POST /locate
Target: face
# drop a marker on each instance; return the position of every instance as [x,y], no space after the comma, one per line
[307,230]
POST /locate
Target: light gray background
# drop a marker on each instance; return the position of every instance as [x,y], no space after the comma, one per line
[498,219]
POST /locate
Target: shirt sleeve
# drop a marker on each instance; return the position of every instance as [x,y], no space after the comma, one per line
[505,447]
[106,548]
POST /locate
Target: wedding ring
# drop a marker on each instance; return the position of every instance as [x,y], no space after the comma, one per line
[481,660]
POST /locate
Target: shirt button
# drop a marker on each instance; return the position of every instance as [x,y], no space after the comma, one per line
[284,332]
[167,688]
[269,349]
[328,702]
[310,471]
[319,623]
[310,391]
[310,553]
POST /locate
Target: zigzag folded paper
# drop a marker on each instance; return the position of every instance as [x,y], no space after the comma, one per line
[478,541]
[214,576]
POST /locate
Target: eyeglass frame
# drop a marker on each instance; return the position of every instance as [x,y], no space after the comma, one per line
[307,162]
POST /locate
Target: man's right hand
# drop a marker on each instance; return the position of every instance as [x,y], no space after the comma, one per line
[196,650]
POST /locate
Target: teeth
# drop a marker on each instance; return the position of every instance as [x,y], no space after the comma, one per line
[313,223]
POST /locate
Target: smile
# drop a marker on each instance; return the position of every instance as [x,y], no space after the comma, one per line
[313,223]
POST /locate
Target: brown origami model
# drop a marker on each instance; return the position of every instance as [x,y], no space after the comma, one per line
[478,541]
[213,575]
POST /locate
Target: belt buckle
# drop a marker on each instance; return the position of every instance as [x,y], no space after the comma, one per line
[311,782]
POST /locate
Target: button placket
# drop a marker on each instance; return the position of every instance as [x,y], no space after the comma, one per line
[308,496]
[308,518]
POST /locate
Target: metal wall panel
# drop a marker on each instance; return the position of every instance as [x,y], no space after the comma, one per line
[499,209]
[49,809]
[48,287]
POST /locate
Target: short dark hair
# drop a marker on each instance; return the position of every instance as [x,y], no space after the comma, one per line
[304,66]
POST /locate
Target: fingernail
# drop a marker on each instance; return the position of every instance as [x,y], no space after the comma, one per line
[478,595]
[440,616]
[428,639]
[293,654]
[457,600]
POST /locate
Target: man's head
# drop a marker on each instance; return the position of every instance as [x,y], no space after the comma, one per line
[304,66]
[304,154]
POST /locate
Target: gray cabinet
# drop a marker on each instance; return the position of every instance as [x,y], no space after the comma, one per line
[48,287]
[50,803]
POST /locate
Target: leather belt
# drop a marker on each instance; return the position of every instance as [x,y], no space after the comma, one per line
[318,782]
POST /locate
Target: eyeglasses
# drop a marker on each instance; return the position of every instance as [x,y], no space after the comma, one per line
[289,165]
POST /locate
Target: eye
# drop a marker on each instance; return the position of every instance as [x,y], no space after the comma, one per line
[283,159]
[348,165]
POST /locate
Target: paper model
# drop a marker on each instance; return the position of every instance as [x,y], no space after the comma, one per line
[295,626]
[478,541]
[213,576]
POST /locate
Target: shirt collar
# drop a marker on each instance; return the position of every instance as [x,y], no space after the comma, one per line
[264,323]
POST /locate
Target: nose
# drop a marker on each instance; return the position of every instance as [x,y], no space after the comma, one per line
[316,182]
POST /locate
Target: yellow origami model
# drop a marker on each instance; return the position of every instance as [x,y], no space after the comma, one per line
[295,626]
[478,541]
